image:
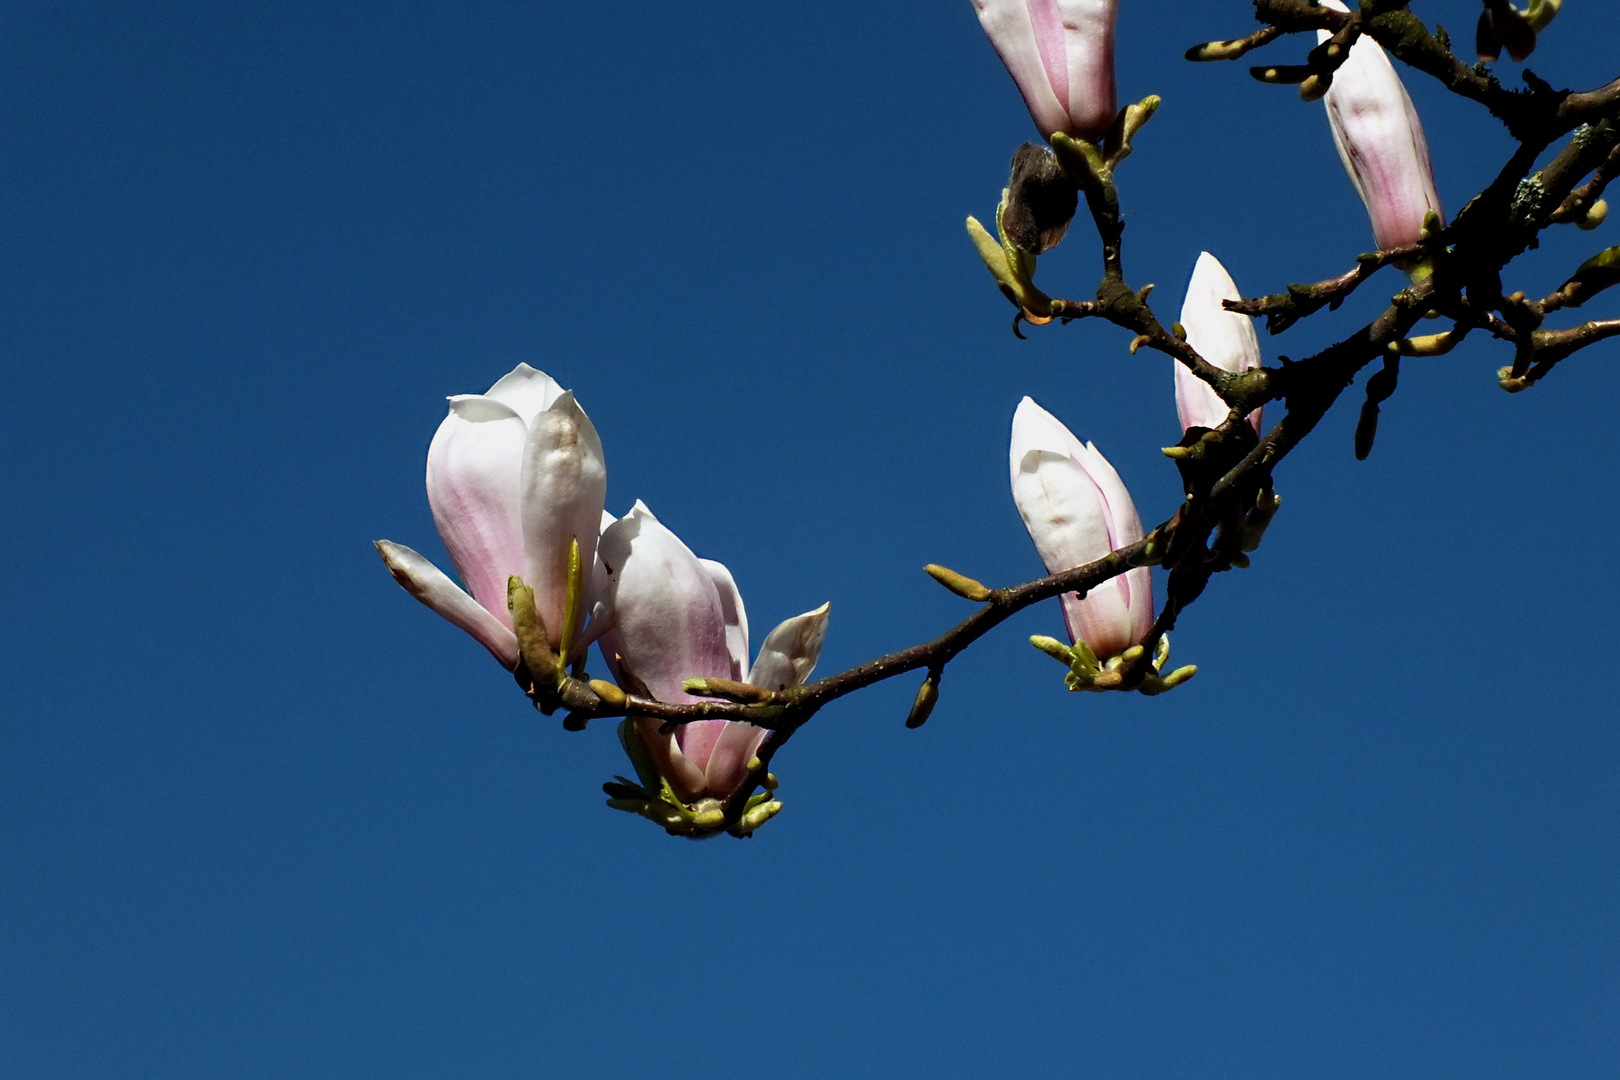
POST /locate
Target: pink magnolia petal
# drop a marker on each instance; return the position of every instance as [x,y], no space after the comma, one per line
[697,740]
[431,586]
[472,486]
[1010,29]
[1089,41]
[1381,143]
[728,760]
[685,777]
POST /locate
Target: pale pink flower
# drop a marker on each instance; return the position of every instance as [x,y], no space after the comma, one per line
[677,617]
[1077,510]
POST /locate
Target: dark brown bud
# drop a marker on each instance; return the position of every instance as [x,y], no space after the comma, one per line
[1041,200]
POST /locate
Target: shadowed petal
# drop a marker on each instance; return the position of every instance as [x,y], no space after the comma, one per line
[563,484]
[672,763]
[728,761]
[731,604]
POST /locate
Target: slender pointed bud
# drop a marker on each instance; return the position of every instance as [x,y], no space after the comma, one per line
[1077,510]
[1054,648]
[1282,74]
[711,818]
[1218,50]
[729,690]
[1015,286]
[1380,141]
[960,584]
[611,695]
[923,707]
[1601,271]
[1154,686]
[1036,305]
[1315,86]
[1510,382]
[1224,338]
[1161,652]
[759,815]
[542,663]
[1431,344]
[1131,120]
[1061,55]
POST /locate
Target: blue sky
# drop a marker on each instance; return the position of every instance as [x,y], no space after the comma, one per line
[261,815]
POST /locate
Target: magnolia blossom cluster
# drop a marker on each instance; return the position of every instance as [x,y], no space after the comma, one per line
[1077,509]
[517,482]
[1060,53]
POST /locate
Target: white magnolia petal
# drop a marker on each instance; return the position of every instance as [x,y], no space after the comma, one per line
[1380,141]
[1088,35]
[1013,32]
[563,485]
[526,391]
[1033,428]
[731,604]
[1224,338]
[1124,523]
[1063,510]
[789,653]
[668,622]
[728,761]
[434,588]
[473,472]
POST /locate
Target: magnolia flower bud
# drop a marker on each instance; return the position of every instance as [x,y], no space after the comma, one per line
[515,478]
[677,617]
[1061,55]
[1380,141]
[1077,511]
[1224,338]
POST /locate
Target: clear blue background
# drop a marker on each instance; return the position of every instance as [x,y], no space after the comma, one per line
[261,815]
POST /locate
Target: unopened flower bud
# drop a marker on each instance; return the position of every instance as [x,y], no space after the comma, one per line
[1380,140]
